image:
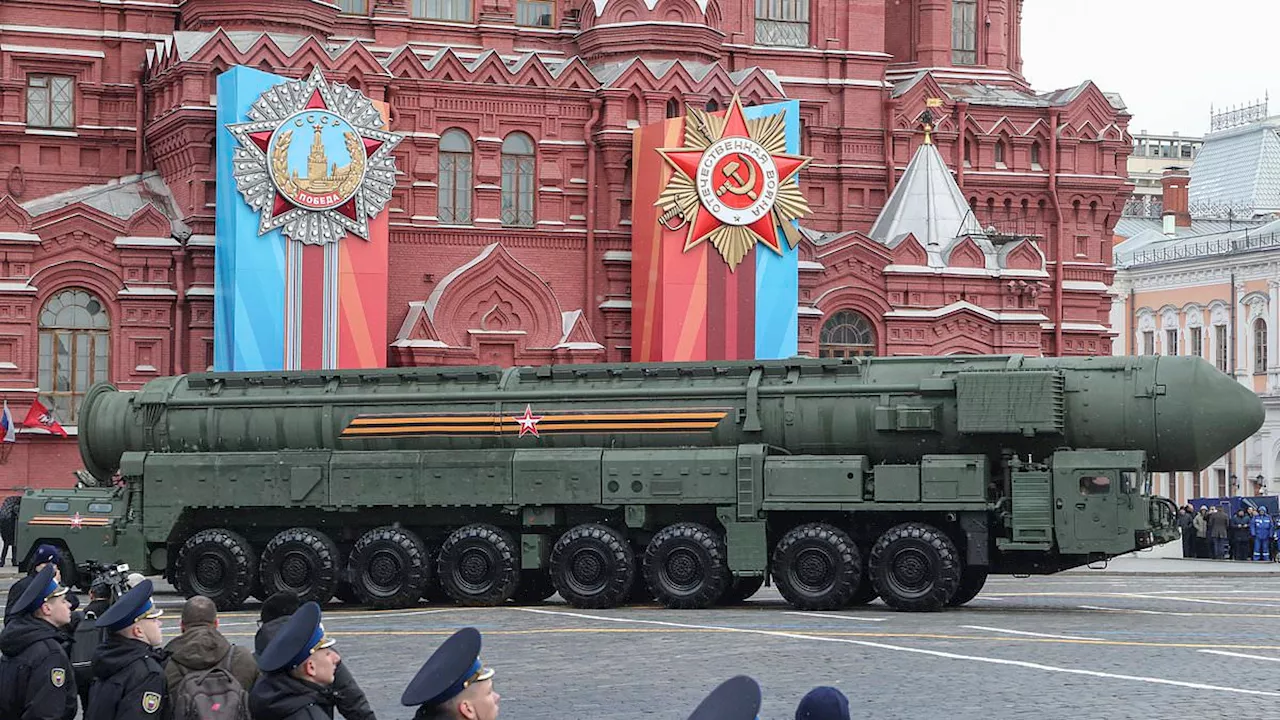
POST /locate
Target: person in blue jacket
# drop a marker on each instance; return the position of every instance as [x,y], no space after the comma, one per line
[1260,529]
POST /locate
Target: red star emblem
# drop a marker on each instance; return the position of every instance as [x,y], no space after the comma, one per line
[528,422]
[737,183]
[76,520]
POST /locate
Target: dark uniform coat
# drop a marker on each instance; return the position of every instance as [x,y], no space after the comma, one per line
[128,682]
[36,682]
[344,693]
[281,696]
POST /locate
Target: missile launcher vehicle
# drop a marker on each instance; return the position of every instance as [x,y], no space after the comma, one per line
[910,479]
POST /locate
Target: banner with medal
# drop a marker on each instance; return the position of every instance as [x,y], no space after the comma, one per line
[304,177]
[714,267]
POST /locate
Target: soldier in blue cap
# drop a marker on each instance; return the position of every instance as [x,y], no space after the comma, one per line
[128,668]
[299,664]
[34,647]
[737,698]
[44,556]
[823,703]
[453,684]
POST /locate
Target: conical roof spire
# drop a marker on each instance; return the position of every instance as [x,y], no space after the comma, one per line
[926,203]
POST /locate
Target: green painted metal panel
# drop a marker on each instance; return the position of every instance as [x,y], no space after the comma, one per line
[671,475]
[535,551]
[565,475]
[1027,402]
[814,478]
[748,547]
[947,478]
[1033,507]
[477,477]
[375,478]
[897,483]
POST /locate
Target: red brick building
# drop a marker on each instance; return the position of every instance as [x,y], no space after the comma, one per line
[510,227]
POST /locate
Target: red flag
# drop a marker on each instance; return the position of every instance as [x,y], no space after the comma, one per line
[42,417]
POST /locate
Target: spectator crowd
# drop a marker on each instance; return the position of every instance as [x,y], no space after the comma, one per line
[1250,534]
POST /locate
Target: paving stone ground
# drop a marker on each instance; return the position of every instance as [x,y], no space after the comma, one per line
[1107,644]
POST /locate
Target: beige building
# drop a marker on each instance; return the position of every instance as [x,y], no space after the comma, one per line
[1152,155]
[1202,277]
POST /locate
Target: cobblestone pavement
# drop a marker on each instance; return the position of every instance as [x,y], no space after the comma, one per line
[1057,647]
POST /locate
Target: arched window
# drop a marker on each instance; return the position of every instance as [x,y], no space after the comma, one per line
[673,108]
[517,180]
[1000,154]
[1259,346]
[75,349]
[713,105]
[455,178]
[847,334]
[1035,157]
[968,153]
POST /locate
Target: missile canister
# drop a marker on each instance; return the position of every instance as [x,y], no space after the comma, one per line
[1180,410]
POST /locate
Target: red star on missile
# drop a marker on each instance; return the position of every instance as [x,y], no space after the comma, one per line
[529,422]
[263,140]
[686,162]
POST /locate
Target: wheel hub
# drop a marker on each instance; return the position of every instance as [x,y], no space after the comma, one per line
[295,570]
[474,567]
[683,567]
[813,568]
[384,569]
[210,571]
[588,567]
[912,570]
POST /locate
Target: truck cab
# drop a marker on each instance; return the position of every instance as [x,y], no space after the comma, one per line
[87,523]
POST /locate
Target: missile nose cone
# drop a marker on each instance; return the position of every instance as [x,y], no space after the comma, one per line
[1202,414]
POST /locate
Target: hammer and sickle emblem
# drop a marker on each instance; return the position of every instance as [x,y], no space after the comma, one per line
[733,174]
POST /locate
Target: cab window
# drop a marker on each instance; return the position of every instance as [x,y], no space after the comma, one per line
[100,507]
[56,506]
[1128,482]
[1095,484]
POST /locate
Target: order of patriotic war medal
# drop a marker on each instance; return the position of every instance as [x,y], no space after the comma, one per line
[314,160]
[734,183]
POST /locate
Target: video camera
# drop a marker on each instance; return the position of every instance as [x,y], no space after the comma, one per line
[113,576]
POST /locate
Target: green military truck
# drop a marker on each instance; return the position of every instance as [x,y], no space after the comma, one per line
[911,479]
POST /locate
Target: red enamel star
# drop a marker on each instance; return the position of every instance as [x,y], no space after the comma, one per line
[76,520]
[528,422]
[736,183]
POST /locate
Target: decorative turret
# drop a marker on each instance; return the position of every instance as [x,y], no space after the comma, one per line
[651,30]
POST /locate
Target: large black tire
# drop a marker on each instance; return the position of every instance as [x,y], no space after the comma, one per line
[435,593]
[915,567]
[389,568]
[740,589]
[218,564]
[593,566]
[535,587]
[686,566]
[479,565]
[817,566]
[971,581]
[302,561]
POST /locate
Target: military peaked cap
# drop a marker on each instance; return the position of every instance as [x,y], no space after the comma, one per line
[38,589]
[132,606]
[452,668]
[737,698]
[823,703]
[302,635]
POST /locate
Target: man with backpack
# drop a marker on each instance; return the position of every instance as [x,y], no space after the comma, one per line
[208,677]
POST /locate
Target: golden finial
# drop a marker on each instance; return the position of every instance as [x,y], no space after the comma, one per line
[927,118]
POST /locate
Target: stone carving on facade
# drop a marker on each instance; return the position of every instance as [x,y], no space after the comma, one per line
[1219,314]
[1169,319]
[1257,306]
[1194,315]
[1146,321]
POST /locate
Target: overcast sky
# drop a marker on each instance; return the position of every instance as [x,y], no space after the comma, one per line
[1169,59]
